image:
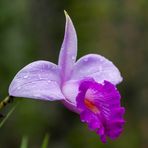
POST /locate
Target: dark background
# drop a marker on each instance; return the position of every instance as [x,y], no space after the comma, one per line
[32,30]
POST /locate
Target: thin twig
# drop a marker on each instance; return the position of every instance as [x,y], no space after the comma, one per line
[7,116]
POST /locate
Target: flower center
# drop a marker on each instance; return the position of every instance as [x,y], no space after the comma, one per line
[91,106]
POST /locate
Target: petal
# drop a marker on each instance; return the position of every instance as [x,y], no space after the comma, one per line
[103,103]
[70,91]
[91,119]
[38,80]
[70,106]
[68,51]
[97,67]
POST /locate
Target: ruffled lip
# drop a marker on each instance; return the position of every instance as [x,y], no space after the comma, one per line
[108,121]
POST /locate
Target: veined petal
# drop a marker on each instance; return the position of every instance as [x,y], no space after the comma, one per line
[70,90]
[100,108]
[97,67]
[38,80]
[68,51]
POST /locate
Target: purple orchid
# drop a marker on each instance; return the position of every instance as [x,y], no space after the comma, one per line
[86,86]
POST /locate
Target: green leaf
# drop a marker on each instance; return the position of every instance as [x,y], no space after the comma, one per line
[24,143]
[45,141]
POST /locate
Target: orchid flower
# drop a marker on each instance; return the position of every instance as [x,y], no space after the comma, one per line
[86,86]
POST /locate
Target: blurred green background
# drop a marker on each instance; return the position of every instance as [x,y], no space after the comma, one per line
[33,29]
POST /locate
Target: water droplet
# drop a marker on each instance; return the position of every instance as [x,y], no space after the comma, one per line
[18,87]
[53,67]
[101,59]
[26,76]
[86,59]
[40,77]
[73,57]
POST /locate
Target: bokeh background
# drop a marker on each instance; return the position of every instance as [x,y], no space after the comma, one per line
[31,30]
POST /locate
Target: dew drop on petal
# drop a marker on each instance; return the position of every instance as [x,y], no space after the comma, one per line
[86,59]
[40,77]
[18,87]
[53,67]
[101,59]
[73,57]
[26,76]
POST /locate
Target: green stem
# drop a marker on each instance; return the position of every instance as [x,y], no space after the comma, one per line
[4,102]
[7,116]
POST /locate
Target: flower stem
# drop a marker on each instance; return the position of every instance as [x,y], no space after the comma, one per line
[4,102]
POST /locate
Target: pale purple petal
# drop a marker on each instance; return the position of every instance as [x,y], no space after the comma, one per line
[97,67]
[70,106]
[68,51]
[38,80]
[70,91]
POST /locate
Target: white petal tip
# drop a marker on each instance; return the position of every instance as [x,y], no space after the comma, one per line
[65,12]
[67,15]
